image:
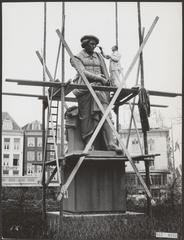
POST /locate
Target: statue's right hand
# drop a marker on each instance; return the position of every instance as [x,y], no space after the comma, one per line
[103,81]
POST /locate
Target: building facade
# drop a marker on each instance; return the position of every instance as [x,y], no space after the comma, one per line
[12,147]
[158,142]
[32,148]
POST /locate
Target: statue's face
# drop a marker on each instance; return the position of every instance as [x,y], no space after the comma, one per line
[90,47]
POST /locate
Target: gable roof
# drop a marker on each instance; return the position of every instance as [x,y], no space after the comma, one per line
[35,126]
[6,116]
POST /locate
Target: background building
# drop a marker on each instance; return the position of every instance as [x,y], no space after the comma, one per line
[158,142]
[22,154]
[12,149]
[32,148]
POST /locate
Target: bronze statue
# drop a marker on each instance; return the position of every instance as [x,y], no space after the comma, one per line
[93,66]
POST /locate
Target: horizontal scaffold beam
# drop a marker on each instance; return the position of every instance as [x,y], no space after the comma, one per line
[77,86]
[67,99]
[41,97]
[164,94]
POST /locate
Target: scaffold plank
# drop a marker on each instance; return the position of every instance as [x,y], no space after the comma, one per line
[67,99]
[99,156]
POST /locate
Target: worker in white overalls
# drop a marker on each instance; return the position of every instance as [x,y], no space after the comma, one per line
[115,69]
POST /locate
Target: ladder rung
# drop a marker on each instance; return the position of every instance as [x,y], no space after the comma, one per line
[54,114]
[54,106]
[51,128]
[52,121]
[50,143]
[50,150]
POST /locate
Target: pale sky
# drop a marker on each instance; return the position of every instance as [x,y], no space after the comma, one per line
[23,35]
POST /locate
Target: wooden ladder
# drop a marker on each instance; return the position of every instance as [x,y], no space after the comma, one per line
[51,133]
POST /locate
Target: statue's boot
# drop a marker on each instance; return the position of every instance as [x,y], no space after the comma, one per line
[108,137]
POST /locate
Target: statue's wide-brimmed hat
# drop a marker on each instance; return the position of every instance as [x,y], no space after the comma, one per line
[89,37]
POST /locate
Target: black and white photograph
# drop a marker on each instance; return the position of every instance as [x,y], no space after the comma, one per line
[91,133]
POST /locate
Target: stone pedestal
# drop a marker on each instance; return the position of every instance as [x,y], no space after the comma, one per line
[98,186]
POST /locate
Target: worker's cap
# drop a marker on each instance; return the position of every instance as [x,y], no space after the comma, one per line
[86,38]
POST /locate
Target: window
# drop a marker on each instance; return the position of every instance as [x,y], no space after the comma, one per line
[6,158]
[152,163]
[30,156]
[7,124]
[130,179]
[151,144]
[135,145]
[39,156]
[6,143]
[5,172]
[164,179]
[16,143]
[36,126]
[5,163]
[31,142]
[156,180]
[30,169]
[15,172]
[135,141]
[39,170]
[16,159]
[39,142]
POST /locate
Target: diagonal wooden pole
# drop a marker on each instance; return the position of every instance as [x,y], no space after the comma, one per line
[46,69]
[48,73]
[105,116]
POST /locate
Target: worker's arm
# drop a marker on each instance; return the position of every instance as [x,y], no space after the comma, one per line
[103,54]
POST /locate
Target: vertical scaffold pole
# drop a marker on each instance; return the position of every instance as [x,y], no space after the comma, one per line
[43,122]
[1,227]
[116,27]
[62,120]
[116,23]
[149,212]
